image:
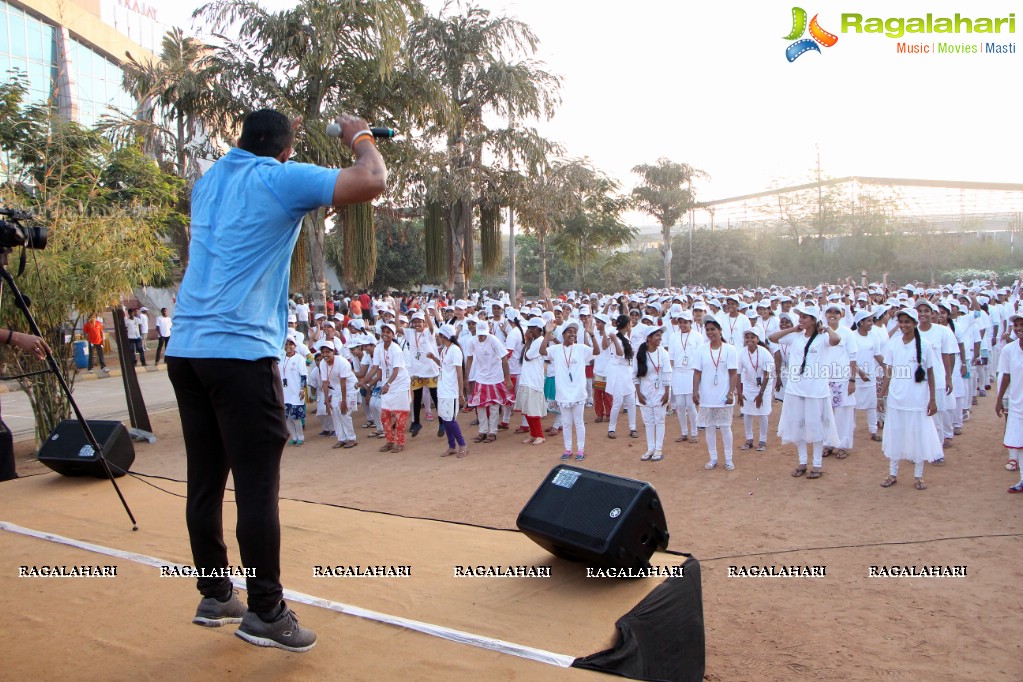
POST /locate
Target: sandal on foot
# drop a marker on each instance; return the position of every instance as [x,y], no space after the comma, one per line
[580,456]
[827,452]
[762,446]
[565,456]
[814,473]
[350,444]
[939,462]
[957,431]
[729,466]
[398,448]
[612,436]
[463,451]
[387,448]
[480,438]
[876,438]
[633,434]
[658,456]
[645,457]
[522,429]
[338,445]
[490,438]
[694,440]
[841,454]
[598,420]
[528,441]
[919,484]
[682,439]
[1018,488]
[448,453]
[1012,465]
[889,482]
[798,471]
[710,465]
[539,441]
[748,445]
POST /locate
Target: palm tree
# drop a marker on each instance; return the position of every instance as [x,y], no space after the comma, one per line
[317,59]
[472,55]
[666,194]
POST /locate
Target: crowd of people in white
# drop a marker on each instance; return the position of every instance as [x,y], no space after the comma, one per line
[911,363]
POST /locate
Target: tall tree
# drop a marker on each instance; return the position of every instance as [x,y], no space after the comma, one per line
[484,65]
[552,193]
[666,193]
[595,228]
[316,59]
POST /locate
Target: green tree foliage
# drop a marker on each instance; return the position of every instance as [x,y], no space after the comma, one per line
[103,236]
[400,253]
[315,60]
[484,67]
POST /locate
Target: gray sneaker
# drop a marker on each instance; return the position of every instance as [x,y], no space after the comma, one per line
[284,633]
[212,613]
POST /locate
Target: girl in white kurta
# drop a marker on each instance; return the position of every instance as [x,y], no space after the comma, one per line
[1010,369]
[807,418]
[569,360]
[619,376]
[908,399]
[842,367]
[395,399]
[340,390]
[869,366]
[755,400]
[653,377]
[685,346]
[293,379]
[945,347]
[450,388]
[781,356]
[714,379]
[529,397]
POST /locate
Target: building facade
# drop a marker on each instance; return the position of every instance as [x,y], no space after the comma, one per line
[71,51]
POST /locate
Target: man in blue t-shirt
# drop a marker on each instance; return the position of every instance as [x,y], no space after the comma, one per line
[229,326]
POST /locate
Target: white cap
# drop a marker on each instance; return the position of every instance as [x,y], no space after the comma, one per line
[292,318]
[808,309]
[447,331]
[536,322]
[909,312]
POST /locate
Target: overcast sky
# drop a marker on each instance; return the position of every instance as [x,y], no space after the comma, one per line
[708,83]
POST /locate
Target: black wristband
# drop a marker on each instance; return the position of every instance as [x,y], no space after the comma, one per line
[10,334]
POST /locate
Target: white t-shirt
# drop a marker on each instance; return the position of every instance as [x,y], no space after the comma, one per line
[163,325]
[450,363]
[813,381]
[867,347]
[420,344]
[513,342]
[302,312]
[532,375]
[334,374]
[904,392]
[713,366]
[943,342]
[1010,362]
[733,328]
[753,365]
[143,325]
[658,375]
[131,325]
[683,353]
[293,377]
[387,359]
[569,363]
[486,360]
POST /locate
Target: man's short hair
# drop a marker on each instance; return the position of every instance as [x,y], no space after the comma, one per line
[266,133]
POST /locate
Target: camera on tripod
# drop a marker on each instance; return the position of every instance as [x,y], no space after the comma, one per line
[14,233]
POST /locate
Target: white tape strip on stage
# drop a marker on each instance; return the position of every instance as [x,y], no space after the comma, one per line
[498,645]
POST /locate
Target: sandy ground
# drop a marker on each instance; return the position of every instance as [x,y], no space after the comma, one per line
[842,626]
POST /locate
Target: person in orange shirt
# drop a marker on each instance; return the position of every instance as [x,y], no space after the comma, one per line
[355,308]
[94,335]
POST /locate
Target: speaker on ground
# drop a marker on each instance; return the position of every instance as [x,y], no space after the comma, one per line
[69,453]
[603,520]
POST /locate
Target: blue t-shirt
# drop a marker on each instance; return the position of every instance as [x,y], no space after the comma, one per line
[246,215]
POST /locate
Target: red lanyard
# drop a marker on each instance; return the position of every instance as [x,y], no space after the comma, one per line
[567,356]
[755,363]
[718,361]
[656,366]
[684,343]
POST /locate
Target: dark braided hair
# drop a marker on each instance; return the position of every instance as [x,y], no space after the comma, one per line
[641,360]
[920,373]
[806,348]
[621,323]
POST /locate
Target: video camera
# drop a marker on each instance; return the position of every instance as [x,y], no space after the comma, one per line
[13,233]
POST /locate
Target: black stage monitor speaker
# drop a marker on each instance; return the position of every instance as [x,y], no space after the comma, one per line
[69,453]
[603,520]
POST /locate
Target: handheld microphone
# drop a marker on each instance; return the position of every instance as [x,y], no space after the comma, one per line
[334,130]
